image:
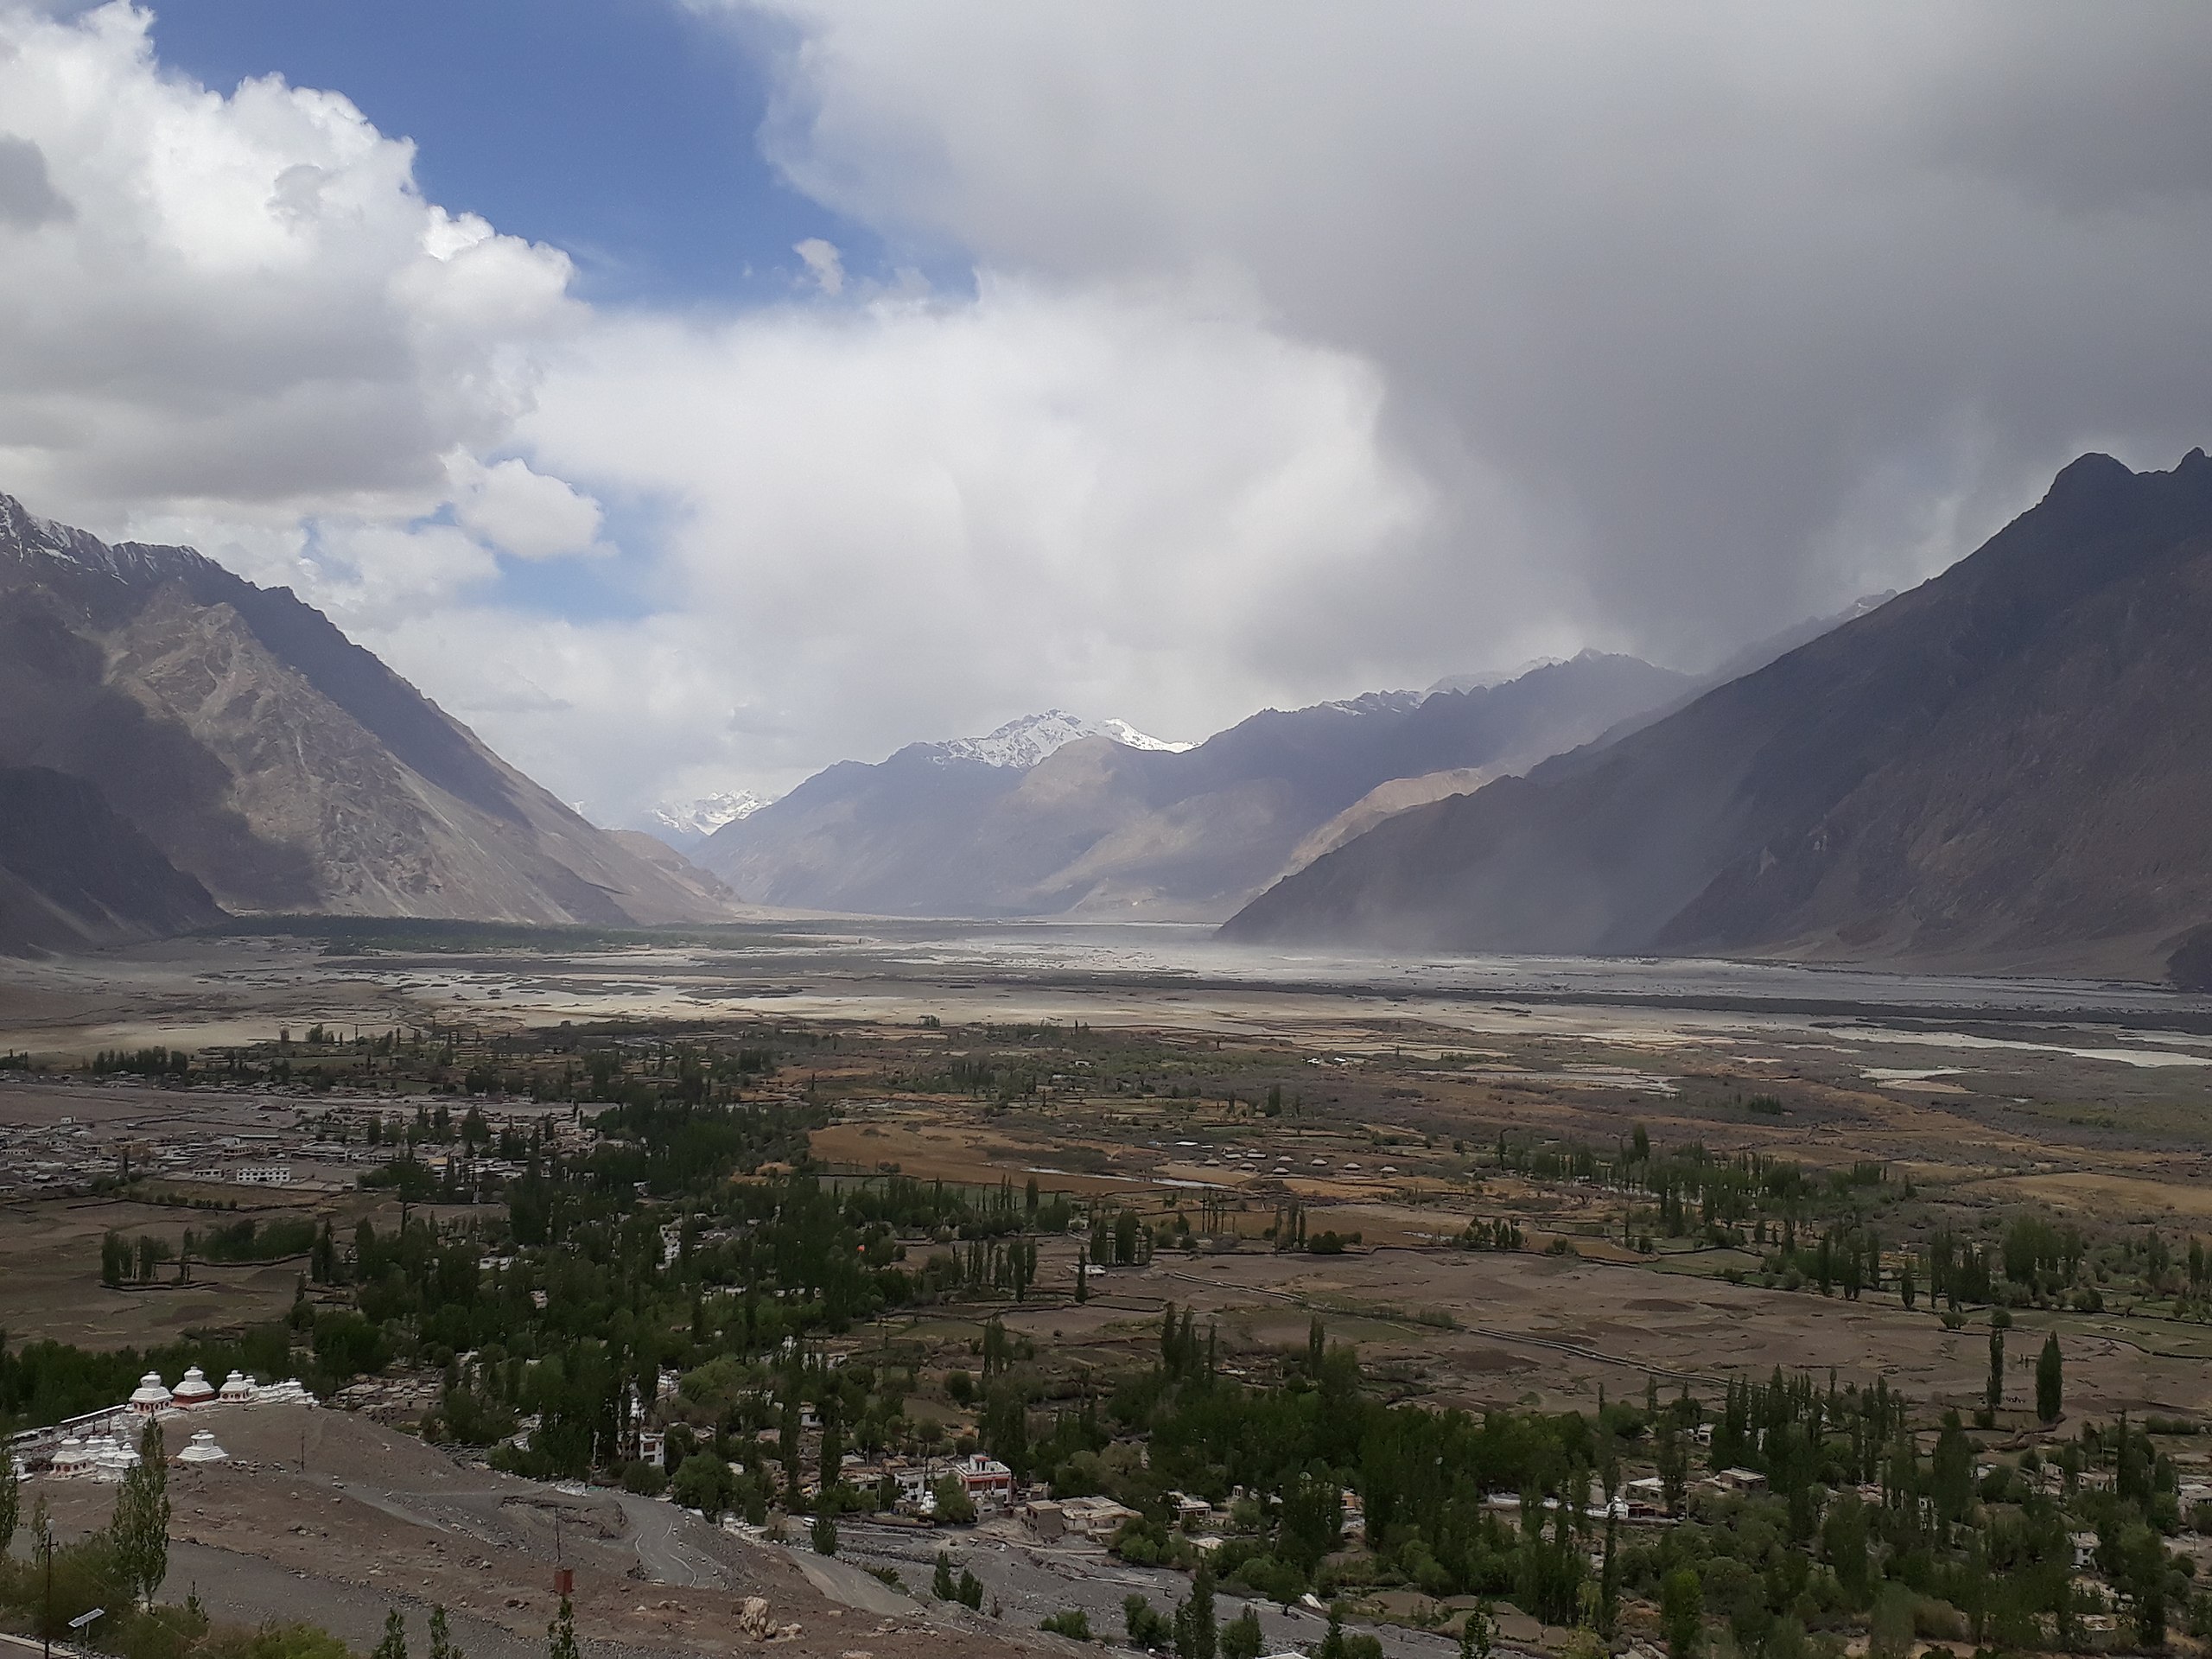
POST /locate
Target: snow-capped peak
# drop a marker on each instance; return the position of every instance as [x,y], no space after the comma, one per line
[1127,735]
[696,820]
[1020,744]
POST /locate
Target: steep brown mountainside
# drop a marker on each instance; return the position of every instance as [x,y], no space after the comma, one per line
[1100,827]
[269,757]
[2003,768]
[74,874]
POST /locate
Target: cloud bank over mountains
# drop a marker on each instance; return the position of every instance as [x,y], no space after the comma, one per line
[1304,350]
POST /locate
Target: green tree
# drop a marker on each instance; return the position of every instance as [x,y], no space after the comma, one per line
[560,1635]
[1196,1635]
[970,1591]
[702,1483]
[1952,1476]
[1336,1645]
[953,1506]
[394,1644]
[1609,1578]
[1241,1637]
[11,1498]
[1682,1613]
[1992,1392]
[824,1536]
[2050,1380]
[1844,1536]
[1889,1632]
[1146,1626]
[2143,1578]
[1074,1623]
[1674,1469]
[1479,1634]
[140,1529]
[442,1645]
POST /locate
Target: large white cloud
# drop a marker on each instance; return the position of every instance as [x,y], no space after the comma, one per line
[238,313]
[896,520]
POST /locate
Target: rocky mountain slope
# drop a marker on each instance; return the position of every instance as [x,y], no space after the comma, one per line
[2003,768]
[278,766]
[75,874]
[1108,825]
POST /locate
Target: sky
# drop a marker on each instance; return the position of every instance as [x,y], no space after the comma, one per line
[688,394]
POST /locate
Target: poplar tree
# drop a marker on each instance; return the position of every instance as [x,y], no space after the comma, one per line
[560,1635]
[442,1645]
[140,1528]
[11,1498]
[394,1644]
[2049,1384]
[1196,1633]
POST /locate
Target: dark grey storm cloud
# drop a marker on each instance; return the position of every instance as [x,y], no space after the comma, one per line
[1702,318]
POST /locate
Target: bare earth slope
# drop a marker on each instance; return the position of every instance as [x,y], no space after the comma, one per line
[275,761]
[1102,828]
[2003,768]
[73,874]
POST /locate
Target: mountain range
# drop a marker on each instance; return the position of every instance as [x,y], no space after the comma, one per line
[177,739]
[1048,817]
[2003,769]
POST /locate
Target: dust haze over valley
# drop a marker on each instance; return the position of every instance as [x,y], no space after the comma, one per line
[990,831]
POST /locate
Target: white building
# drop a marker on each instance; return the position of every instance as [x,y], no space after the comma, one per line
[987,1479]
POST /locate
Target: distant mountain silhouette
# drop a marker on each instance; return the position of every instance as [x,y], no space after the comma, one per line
[1100,827]
[2003,768]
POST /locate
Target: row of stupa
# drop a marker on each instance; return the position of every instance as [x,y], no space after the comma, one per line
[111,1457]
[80,1444]
[152,1397]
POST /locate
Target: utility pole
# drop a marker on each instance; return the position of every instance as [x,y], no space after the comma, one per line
[46,1623]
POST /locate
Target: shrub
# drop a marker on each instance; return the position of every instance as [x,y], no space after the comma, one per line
[1074,1623]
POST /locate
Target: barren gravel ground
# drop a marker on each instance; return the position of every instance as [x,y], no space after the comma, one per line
[378,1519]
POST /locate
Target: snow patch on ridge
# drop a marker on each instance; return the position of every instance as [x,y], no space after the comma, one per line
[696,820]
[1020,744]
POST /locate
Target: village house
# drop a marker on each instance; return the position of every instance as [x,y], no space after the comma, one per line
[1095,1517]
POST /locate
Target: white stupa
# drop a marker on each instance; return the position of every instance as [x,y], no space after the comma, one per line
[195,1389]
[71,1458]
[202,1449]
[112,1458]
[151,1396]
[236,1387]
